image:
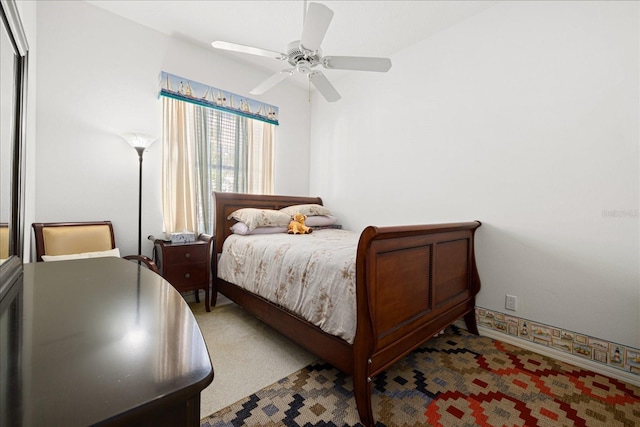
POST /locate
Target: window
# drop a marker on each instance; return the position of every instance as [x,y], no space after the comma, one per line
[224,138]
[235,155]
[207,150]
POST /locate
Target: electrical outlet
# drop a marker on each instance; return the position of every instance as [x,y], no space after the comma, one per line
[511,303]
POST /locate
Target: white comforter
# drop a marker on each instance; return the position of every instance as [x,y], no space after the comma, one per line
[312,275]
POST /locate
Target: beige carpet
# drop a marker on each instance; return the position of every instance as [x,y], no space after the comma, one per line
[246,354]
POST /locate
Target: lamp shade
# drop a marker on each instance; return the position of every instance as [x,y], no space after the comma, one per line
[139,139]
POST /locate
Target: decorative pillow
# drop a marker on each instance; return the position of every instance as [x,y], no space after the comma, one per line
[320,220]
[99,254]
[242,229]
[255,218]
[308,210]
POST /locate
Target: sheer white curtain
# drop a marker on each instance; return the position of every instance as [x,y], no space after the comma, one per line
[260,171]
[204,189]
[206,150]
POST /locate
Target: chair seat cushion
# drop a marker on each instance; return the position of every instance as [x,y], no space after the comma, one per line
[110,253]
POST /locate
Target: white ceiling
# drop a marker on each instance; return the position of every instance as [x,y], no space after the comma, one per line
[358,28]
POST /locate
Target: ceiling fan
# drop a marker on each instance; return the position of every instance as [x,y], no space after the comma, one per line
[305,55]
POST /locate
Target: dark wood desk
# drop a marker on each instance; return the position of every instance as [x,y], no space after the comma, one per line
[103,342]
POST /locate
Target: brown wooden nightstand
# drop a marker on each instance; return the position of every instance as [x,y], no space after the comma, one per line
[187,266]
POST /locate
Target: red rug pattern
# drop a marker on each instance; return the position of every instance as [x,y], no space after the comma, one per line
[456,379]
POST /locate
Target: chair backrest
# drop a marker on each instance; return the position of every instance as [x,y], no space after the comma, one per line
[4,240]
[66,238]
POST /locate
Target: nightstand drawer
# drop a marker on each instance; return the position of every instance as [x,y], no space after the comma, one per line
[187,254]
[187,276]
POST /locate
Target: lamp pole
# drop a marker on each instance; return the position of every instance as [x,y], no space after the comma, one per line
[140,150]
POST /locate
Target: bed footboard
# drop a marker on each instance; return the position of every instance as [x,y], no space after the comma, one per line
[411,282]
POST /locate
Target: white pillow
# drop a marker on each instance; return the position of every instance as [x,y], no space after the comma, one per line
[255,218]
[320,220]
[242,229]
[308,210]
[99,254]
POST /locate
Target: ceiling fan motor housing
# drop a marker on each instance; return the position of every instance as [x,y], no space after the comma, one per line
[301,58]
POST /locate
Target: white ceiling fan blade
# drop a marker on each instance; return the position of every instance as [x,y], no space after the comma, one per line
[271,82]
[323,85]
[316,23]
[248,49]
[360,63]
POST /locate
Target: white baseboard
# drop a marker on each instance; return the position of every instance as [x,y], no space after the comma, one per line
[571,359]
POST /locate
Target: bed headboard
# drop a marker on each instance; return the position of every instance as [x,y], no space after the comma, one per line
[226,203]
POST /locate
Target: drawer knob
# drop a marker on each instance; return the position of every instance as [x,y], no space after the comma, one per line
[187,255]
[187,276]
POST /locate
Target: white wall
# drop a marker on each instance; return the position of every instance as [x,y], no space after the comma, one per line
[29,17]
[97,78]
[524,117]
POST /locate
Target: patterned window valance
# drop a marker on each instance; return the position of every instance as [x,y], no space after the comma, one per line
[207,96]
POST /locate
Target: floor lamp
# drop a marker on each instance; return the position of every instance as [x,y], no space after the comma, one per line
[140,141]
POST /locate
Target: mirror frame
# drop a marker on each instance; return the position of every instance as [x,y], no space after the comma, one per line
[11,269]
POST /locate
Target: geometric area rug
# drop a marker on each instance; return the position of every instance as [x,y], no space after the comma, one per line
[455,379]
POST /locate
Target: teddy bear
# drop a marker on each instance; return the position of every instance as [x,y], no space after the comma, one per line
[296,226]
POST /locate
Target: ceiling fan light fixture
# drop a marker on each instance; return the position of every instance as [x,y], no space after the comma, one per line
[303,67]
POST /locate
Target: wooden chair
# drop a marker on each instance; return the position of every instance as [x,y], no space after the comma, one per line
[79,239]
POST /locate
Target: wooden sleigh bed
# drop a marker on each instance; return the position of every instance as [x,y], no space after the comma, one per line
[411,282]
